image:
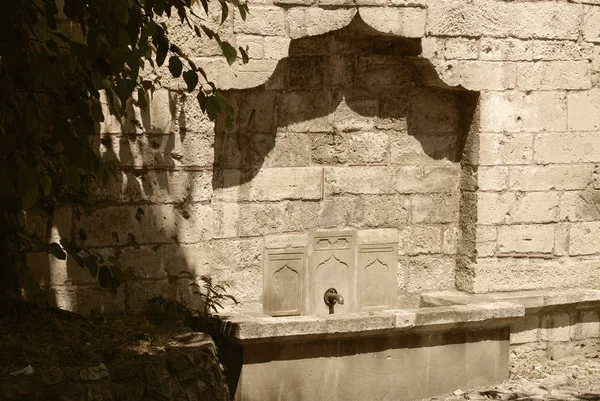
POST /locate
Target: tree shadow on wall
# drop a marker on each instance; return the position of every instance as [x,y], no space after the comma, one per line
[331,96]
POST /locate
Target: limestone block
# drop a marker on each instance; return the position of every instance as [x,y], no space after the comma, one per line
[384,71]
[329,149]
[525,330]
[147,224]
[506,208]
[505,49]
[432,111]
[580,206]
[513,112]
[316,21]
[377,236]
[584,110]
[510,274]
[264,21]
[359,180]
[423,149]
[572,147]
[405,21]
[428,273]
[276,48]
[587,326]
[393,110]
[281,150]
[544,178]
[562,50]
[505,149]
[555,327]
[286,241]
[450,235]
[189,117]
[461,49]
[492,178]
[356,111]
[553,75]
[236,254]
[49,271]
[486,237]
[367,147]
[459,18]
[316,118]
[596,58]
[435,208]
[419,239]
[411,179]
[433,47]
[590,28]
[262,218]
[584,238]
[271,184]
[478,75]
[365,211]
[543,21]
[561,239]
[253,44]
[526,239]
[521,20]
[284,272]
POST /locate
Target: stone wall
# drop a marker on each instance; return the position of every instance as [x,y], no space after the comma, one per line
[342,123]
[189,372]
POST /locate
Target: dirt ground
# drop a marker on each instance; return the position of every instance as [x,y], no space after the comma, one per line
[575,377]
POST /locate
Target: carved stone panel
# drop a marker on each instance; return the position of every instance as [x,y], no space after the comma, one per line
[284,275]
[332,266]
[377,267]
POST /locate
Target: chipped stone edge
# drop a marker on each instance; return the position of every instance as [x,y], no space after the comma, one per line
[533,301]
[245,328]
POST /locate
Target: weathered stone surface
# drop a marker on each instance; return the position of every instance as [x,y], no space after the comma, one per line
[584,238]
[584,110]
[478,75]
[545,178]
[567,148]
[526,239]
[516,111]
[428,272]
[531,207]
[408,22]
[554,75]
[580,206]
[505,149]
[265,21]
[435,208]
[506,49]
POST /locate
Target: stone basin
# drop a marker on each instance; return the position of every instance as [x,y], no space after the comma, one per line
[389,354]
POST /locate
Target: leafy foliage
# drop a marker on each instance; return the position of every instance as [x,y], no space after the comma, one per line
[55,76]
[212,297]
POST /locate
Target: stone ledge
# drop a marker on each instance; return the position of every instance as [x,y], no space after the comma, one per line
[246,328]
[533,301]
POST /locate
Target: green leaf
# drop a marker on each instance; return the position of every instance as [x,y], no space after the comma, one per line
[191,79]
[229,52]
[57,251]
[175,66]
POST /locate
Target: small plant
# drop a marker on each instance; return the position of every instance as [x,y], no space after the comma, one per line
[212,295]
